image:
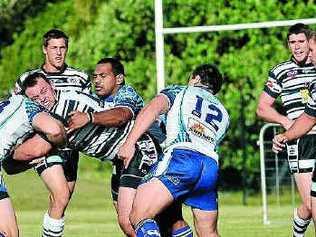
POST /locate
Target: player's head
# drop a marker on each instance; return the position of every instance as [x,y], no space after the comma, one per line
[108,76]
[55,46]
[37,87]
[312,47]
[297,39]
[207,75]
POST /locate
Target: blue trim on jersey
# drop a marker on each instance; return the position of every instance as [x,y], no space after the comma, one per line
[171,92]
[32,109]
[126,96]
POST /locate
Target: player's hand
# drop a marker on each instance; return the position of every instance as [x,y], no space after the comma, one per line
[279,141]
[77,120]
[126,153]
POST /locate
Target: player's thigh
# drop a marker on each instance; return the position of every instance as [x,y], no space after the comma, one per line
[8,222]
[55,180]
[151,198]
[304,184]
[205,222]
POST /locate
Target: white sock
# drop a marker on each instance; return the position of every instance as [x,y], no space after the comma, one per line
[299,225]
[52,227]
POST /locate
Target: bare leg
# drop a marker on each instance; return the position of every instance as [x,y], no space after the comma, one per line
[124,207]
[304,182]
[205,223]
[8,224]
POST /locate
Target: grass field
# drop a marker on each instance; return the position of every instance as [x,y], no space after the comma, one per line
[90,213]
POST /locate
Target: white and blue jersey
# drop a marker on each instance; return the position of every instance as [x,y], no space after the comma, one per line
[16,117]
[196,123]
[196,119]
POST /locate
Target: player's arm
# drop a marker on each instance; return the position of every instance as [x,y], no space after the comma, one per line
[302,125]
[115,117]
[145,118]
[32,148]
[52,128]
[267,112]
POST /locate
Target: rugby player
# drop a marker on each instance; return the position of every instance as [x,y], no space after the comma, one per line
[64,78]
[304,123]
[20,118]
[290,80]
[196,123]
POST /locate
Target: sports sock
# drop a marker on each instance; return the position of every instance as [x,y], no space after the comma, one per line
[147,228]
[185,231]
[299,225]
[52,227]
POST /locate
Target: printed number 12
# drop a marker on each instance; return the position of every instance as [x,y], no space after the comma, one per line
[210,117]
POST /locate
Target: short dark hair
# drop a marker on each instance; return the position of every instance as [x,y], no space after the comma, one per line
[54,34]
[117,66]
[297,29]
[31,80]
[312,36]
[210,76]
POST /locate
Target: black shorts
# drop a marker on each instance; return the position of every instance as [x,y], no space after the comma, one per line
[146,154]
[301,154]
[70,164]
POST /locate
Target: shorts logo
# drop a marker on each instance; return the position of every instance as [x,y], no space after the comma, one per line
[173,180]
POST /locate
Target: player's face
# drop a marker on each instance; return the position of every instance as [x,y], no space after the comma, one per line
[42,93]
[298,45]
[55,54]
[312,51]
[104,80]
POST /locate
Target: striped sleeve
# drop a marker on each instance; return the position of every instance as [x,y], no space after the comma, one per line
[32,109]
[272,86]
[310,108]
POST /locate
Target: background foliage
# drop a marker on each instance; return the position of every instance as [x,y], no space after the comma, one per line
[125,28]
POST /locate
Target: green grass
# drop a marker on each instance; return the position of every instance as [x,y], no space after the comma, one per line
[91,214]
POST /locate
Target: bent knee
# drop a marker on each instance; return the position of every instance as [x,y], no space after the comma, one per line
[61,199]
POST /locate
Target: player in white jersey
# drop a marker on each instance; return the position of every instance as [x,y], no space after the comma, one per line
[290,80]
[303,124]
[20,118]
[196,123]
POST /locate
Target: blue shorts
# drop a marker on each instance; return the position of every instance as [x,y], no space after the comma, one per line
[190,177]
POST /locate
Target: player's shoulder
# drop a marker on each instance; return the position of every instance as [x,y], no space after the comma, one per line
[173,89]
[76,71]
[29,72]
[285,65]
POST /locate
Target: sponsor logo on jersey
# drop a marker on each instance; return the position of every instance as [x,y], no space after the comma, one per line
[292,74]
[174,180]
[305,95]
[200,130]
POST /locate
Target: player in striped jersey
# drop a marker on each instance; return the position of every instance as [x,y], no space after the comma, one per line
[64,78]
[103,141]
[303,124]
[20,118]
[290,80]
[188,171]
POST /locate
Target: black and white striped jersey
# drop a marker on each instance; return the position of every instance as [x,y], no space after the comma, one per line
[291,82]
[67,79]
[311,105]
[93,140]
